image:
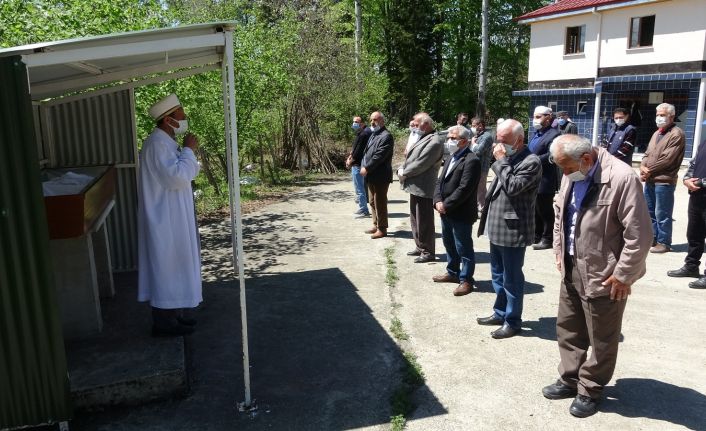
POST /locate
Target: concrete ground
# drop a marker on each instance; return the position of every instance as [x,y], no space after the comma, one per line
[323,357]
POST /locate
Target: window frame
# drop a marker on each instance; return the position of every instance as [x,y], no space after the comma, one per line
[580,42]
[640,21]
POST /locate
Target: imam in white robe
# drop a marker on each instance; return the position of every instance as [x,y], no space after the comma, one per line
[168,240]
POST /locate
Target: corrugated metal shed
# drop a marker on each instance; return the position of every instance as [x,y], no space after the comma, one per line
[35,387]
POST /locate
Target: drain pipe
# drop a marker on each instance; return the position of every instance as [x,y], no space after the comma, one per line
[698,129]
[596,83]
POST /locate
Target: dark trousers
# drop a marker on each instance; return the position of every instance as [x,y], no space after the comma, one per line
[377,195]
[544,217]
[696,229]
[421,218]
[584,322]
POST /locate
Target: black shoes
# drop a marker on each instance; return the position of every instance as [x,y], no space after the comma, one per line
[558,391]
[684,271]
[698,284]
[583,406]
[490,320]
[424,258]
[543,245]
[414,252]
[506,331]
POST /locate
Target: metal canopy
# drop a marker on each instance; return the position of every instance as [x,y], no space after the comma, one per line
[57,68]
[138,58]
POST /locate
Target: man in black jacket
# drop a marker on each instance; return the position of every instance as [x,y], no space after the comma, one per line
[376,167]
[355,157]
[455,200]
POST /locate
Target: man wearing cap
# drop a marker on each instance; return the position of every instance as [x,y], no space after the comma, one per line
[544,207]
[168,241]
[566,126]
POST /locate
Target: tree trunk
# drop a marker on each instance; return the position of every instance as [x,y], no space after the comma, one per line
[480,107]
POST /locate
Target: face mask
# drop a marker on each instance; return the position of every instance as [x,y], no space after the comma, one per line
[452,145]
[374,128]
[562,122]
[355,126]
[619,122]
[413,138]
[537,124]
[577,176]
[474,130]
[183,127]
[661,121]
[509,150]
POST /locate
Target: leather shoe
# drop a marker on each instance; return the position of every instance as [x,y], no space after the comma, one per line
[424,258]
[414,252]
[505,331]
[378,234]
[698,284]
[558,391]
[445,278]
[542,245]
[372,230]
[684,271]
[660,248]
[583,406]
[490,320]
[463,289]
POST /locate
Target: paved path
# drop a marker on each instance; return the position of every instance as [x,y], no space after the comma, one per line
[323,357]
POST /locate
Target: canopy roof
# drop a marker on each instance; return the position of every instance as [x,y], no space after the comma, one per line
[57,68]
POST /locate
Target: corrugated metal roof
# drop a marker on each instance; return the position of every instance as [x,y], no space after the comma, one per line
[563,6]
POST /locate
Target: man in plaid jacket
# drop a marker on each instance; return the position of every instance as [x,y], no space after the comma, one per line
[508,220]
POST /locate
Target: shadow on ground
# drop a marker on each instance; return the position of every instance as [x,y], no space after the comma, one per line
[318,359]
[648,398]
[486,286]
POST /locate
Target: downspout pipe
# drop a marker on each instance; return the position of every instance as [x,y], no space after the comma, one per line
[596,83]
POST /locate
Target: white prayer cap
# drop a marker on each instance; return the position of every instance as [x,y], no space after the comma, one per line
[542,110]
[500,120]
[165,107]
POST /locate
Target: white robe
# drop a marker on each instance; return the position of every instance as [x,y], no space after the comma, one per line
[167,237]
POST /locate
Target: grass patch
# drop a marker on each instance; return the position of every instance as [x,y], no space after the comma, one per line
[391,276]
[397,330]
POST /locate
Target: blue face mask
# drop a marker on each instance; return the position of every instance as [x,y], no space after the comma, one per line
[562,121]
[355,126]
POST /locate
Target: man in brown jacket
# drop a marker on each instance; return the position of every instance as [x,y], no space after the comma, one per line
[659,170]
[602,232]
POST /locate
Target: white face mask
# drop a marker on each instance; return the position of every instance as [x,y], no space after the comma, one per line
[661,121]
[374,128]
[619,122]
[578,175]
[537,124]
[452,145]
[183,127]
[474,130]
[413,138]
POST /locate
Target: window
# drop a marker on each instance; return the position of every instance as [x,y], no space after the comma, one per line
[552,106]
[575,38]
[581,107]
[642,31]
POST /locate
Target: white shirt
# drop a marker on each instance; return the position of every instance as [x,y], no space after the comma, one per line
[167,236]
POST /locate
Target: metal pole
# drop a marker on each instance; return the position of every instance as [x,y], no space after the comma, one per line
[596,114]
[238,255]
[698,130]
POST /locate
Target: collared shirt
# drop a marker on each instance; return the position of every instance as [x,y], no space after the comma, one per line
[578,193]
[457,155]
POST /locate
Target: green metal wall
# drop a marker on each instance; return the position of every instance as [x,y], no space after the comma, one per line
[34,386]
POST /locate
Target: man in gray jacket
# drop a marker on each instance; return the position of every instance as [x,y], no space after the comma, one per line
[417,177]
[602,234]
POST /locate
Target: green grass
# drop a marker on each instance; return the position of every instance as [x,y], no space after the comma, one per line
[397,330]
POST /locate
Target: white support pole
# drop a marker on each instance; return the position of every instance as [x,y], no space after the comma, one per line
[699,117]
[597,114]
[238,254]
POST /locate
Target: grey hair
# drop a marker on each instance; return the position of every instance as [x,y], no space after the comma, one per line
[515,128]
[572,146]
[424,118]
[463,133]
[666,106]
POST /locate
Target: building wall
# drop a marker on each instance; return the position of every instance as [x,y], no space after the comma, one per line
[680,34]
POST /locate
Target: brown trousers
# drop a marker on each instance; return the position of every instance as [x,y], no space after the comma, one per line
[584,322]
[421,218]
[377,197]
